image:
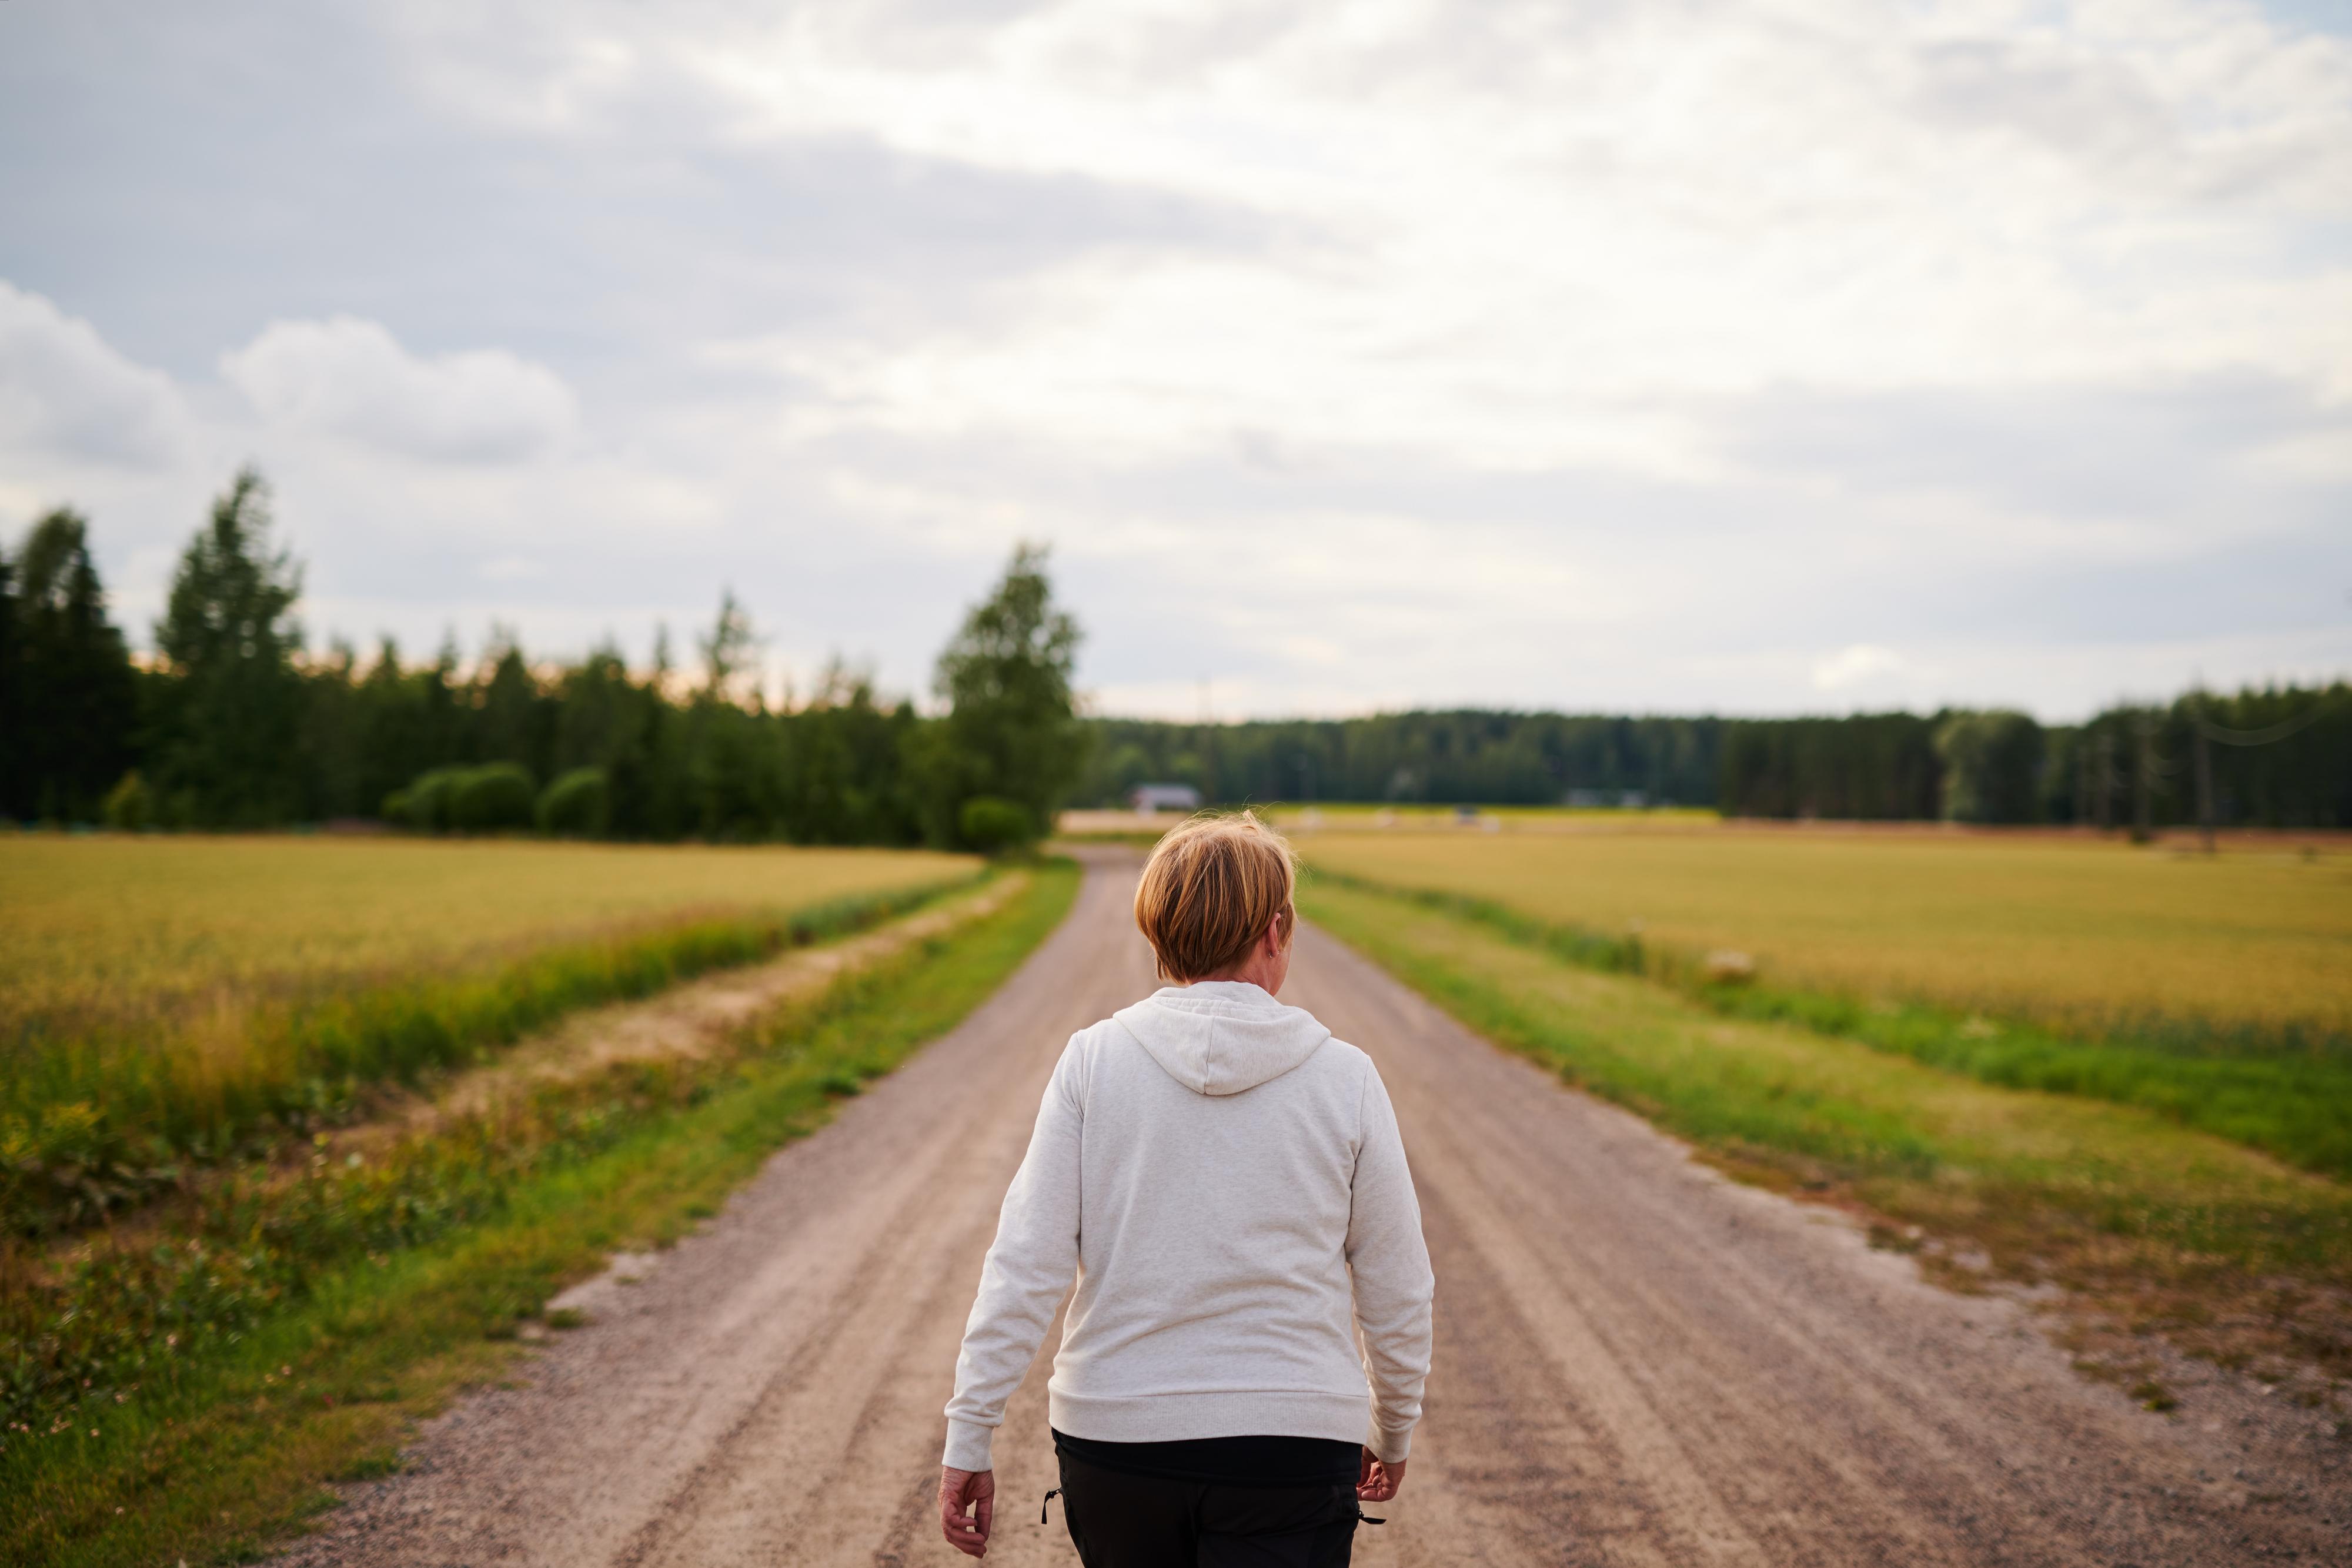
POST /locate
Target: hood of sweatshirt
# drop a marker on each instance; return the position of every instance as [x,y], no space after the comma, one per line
[1221,1037]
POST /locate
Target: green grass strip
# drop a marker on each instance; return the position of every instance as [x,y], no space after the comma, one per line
[2298,1107]
[219,1453]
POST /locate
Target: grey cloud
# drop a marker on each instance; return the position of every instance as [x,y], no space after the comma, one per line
[2148,453]
[224,169]
[2071,105]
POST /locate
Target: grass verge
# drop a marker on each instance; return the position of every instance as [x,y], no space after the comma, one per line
[2290,1096]
[2156,1226]
[221,1444]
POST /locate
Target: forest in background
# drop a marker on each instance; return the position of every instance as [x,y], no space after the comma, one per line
[235,724]
[2278,756]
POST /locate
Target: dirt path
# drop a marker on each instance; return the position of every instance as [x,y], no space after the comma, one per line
[688,1019]
[1638,1363]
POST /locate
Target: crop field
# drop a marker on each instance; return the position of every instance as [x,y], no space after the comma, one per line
[105,927]
[2150,1225]
[2247,947]
[168,1000]
[2046,1059]
[1527,819]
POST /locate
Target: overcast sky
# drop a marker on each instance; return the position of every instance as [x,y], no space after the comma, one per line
[1759,357]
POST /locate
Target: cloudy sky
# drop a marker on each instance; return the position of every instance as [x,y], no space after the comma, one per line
[1763,357]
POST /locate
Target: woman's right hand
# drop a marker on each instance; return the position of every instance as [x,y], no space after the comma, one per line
[1378,1480]
[967,1506]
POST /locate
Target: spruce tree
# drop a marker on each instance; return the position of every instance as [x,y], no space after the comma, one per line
[72,694]
[229,636]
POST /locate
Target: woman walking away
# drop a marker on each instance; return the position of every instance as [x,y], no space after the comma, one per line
[1226,1183]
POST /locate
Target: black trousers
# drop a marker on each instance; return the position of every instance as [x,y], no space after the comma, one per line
[1120,1520]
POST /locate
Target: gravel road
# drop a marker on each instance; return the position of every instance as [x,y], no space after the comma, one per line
[1637,1361]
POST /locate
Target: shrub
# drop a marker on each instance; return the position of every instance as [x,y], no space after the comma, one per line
[425,804]
[577,805]
[465,800]
[129,807]
[485,800]
[990,823]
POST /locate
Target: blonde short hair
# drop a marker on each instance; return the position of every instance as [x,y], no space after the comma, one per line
[1210,890]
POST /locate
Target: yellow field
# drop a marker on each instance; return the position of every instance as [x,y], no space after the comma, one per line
[1557,818]
[104,927]
[2043,926]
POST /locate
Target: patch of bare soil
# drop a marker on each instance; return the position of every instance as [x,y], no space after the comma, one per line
[695,1019]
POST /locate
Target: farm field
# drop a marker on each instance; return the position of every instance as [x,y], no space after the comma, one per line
[107,926]
[1525,818]
[2150,1227]
[2247,947]
[165,1000]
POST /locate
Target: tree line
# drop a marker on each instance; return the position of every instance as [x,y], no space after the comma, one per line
[1462,757]
[234,724]
[2276,756]
[2271,757]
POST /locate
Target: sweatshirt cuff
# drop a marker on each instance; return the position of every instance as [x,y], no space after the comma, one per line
[1390,1448]
[968,1445]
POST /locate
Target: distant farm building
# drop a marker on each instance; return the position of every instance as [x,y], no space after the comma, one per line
[1607,799]
[1164,798]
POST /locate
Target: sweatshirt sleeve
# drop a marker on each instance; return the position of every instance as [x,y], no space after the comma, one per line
[1393,1283]
[1029,1269]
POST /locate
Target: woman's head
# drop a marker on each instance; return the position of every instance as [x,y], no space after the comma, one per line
[1210,891]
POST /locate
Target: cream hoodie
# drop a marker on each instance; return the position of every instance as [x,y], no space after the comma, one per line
[1226,1182]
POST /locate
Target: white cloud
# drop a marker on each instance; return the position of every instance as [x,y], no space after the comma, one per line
[66,394]
[352,378]
[1856,664]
